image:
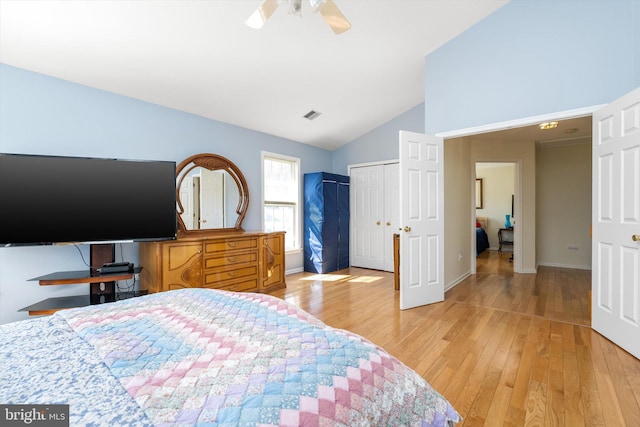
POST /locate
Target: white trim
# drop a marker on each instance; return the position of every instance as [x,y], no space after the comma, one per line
[457,281]
[362,165]
[525,121]
[574,267]
[293,271]
[299,206]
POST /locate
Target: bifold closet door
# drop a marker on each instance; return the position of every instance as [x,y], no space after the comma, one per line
[367,215]
[391,211]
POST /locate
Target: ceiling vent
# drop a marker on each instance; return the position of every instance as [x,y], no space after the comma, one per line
[311,115]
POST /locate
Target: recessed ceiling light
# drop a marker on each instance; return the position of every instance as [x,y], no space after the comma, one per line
[548,125]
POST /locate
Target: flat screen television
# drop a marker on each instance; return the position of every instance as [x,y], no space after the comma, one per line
[54,199]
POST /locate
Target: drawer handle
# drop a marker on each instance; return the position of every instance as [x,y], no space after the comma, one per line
[233,259]
[232,244]
[232,273]
[233,288]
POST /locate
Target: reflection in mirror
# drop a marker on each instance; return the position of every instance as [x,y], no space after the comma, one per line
[209,199]
[211,194]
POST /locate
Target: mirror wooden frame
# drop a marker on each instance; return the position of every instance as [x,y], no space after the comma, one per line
[211,162]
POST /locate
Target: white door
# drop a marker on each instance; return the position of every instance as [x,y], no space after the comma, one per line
[391,211]
[422,222]
[616,219]
[186,197]
[367,240]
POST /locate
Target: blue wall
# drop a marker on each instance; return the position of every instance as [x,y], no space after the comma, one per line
[381,143]
[531,58]
[45,115]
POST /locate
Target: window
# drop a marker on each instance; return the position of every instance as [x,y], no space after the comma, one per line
[281,197]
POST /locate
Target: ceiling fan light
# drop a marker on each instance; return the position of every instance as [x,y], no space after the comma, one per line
[316,4]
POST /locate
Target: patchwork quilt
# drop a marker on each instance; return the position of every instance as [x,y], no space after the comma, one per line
[210,357]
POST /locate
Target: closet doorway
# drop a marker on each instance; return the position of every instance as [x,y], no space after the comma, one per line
[375,214]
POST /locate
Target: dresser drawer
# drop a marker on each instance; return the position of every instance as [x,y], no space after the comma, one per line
[233,273]
[224,245]
[222,261]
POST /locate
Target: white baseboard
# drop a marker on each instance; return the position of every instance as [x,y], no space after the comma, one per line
[457,281]
[554,264]
[294,271]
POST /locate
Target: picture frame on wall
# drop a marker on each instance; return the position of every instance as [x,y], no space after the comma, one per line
[478,193]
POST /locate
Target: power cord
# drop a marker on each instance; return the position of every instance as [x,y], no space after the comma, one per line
[129,287]
[82,256]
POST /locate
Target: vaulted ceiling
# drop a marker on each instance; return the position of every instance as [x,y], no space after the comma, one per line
[200,57]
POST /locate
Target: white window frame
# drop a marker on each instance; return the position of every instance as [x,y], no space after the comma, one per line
[298,210]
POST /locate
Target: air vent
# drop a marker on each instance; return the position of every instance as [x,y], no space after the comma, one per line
[311,115]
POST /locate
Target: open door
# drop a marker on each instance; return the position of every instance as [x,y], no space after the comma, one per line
[422,222]
[616,222]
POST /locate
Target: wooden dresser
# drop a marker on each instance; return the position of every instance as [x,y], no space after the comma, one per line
[235,261]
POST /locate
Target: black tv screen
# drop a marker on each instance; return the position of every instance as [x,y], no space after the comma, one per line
[55,199]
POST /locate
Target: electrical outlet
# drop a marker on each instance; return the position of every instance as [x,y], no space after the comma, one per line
[459,256]
[136,276]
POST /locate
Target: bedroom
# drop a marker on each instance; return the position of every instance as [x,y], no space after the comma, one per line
[458,91]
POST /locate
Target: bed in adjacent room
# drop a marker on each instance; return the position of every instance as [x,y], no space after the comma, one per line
[203,356]
[482,239]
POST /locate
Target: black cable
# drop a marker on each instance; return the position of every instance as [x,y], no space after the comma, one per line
[82,256]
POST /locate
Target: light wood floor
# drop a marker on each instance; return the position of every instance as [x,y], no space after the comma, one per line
[503,348]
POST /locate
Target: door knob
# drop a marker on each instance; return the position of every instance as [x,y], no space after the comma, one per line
[636,237]
[407,229]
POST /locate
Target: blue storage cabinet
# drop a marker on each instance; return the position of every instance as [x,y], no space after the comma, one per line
[326,222]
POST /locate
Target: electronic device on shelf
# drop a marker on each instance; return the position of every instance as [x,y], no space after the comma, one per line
[116,267]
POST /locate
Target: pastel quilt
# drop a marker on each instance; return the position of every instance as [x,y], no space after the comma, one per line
[215,358]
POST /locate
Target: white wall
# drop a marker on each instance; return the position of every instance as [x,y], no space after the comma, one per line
[498,180]
[563,208]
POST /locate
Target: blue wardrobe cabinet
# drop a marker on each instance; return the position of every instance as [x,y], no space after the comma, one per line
[326,222]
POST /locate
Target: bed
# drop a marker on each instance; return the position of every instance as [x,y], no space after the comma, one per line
[482,239]
[210,357]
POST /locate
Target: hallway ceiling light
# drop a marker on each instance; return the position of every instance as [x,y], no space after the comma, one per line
[548,125]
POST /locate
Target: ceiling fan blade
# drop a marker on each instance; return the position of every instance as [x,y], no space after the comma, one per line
[262,14]
[333,17]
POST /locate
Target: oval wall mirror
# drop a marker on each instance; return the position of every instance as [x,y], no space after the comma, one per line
[211,195]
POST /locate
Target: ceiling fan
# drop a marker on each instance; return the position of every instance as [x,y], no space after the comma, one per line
[327,8]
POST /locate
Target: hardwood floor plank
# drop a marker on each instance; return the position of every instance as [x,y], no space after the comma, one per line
[572,389]
[505,349]
[624,392]
[536,408]
[499,406]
